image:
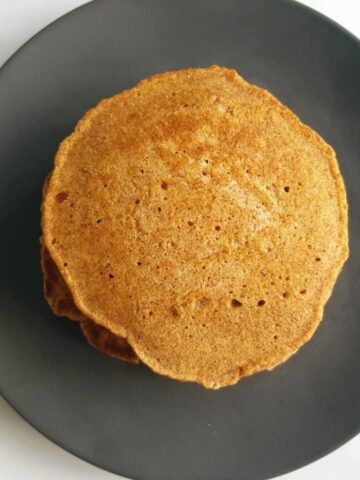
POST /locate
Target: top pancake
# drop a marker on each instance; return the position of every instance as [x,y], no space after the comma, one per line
[198,218]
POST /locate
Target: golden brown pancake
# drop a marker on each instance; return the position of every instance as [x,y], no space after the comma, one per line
[61,302]
[197,217]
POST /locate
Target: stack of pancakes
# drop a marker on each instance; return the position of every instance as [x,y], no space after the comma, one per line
[195,224]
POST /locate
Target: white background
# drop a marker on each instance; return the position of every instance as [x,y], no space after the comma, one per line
[24,453]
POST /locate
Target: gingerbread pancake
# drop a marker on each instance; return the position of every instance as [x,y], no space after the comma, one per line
[197,217]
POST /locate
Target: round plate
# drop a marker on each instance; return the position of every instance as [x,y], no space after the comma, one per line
[121,417]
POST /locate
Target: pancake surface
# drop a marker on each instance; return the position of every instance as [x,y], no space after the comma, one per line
[213,224]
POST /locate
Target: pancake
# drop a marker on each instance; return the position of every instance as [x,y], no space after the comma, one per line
[197,217]
[105,341]
[56,292]
[61,302]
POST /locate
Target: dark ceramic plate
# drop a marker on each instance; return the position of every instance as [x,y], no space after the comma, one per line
[125,418]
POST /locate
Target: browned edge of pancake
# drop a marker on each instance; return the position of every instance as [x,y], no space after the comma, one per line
[56,291]
[105,341]
[61,303]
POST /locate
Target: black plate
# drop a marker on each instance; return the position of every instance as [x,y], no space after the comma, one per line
[125,418]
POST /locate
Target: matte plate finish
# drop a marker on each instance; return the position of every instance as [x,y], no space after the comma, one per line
[125,418]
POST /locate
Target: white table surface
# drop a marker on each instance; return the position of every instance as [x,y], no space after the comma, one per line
[24,453]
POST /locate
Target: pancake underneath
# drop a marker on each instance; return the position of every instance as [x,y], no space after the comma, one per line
[61,302]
